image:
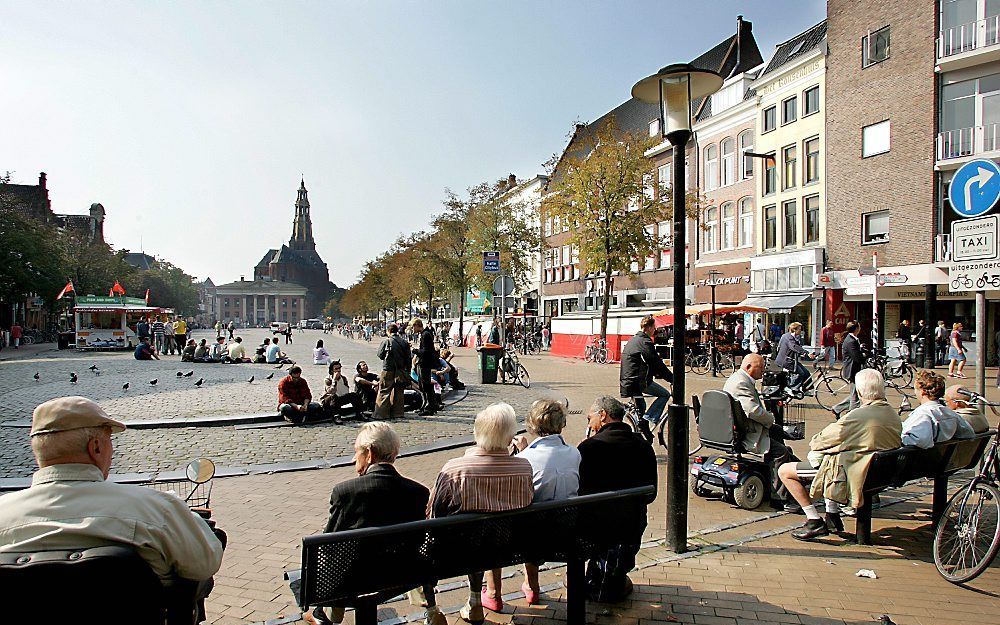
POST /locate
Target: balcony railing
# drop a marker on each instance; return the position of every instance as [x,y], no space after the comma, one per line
[972,36]
[942,248]
[968,141]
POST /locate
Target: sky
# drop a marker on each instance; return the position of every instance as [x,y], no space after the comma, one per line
[192,122]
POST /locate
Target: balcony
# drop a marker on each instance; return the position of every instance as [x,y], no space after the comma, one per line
[956,146]
[969,44]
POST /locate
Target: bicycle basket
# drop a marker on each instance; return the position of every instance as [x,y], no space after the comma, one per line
[795,422]
[194,495]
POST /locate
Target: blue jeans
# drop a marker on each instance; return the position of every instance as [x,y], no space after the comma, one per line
[655,412]
[801,375]
[830,354]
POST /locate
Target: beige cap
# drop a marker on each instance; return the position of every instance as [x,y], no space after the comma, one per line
[71,413]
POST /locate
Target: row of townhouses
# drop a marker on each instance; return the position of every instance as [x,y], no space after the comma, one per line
[864,118]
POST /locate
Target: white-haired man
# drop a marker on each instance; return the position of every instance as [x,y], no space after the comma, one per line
[379,496]
[839,457]
[486,479]
[71,505]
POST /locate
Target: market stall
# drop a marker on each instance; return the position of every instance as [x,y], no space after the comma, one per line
[109,322]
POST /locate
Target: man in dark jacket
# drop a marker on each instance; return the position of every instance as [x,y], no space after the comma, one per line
[380,496]
[395,377]
[615,458]
[428,359]
[640,364]
[854,361]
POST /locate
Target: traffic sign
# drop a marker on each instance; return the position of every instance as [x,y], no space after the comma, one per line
[974,276]
[503,286]
[975,188]
[891,278]
[861,285]
[866,271]
[975,239]
[491,262]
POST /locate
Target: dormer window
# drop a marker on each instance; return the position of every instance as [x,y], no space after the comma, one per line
[654,128]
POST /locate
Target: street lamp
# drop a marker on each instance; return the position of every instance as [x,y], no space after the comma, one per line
[713,275]
[673,88]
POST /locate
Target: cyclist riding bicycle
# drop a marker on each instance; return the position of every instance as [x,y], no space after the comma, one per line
[789,351]
[639,365]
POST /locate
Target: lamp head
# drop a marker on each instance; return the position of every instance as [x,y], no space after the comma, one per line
[674,88]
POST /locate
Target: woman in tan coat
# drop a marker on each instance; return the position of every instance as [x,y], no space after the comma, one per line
[839,457]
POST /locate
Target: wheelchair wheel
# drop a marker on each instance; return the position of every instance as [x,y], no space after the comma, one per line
[750,493]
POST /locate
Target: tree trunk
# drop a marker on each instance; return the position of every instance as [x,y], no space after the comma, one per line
[461,315]
[606,303]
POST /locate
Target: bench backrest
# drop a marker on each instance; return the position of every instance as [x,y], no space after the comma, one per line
[898,466]
[98,585]
[386,560]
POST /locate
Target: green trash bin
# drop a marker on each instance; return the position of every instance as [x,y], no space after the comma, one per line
[489,360]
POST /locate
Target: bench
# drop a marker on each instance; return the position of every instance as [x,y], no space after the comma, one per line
[109,584]
[897,467]
[363,567]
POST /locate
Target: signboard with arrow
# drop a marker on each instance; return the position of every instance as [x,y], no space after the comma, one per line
[975,188]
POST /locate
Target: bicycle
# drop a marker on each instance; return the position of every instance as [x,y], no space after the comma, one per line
[512,367]
[967,536]
[895,369]
[596,351]
[828,389]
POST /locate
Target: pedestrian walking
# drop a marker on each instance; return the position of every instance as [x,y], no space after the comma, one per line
[479,335]
[231,327]
[395,377]
[940,342]
[218,329]
[956,352]
[180,334]
[827,340]
[168,336]
[15,335]
[288,334]
[905,338]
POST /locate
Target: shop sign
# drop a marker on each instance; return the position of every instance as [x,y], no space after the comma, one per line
[974,276]
[974,239]
[824,279]
[721,281]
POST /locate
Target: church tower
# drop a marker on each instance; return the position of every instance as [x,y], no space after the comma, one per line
[302,230]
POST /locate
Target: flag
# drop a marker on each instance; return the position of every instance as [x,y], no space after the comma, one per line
[111,293]
[147,297]
[117,289]
[66,289]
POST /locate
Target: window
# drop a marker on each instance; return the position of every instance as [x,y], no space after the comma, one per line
[548,259]
[663,175]
[875,227]
[810,101]
[811,207]
[875,47]
[647,188]
[746,222]
[790,214]
[664,230]
[728,226]
[770,227]
[769,275]
[746,145]
[711,228]
[728,161]
[547,227]
[711,167]
[650,263]
[794,281]
[227,301]
[807,276]
[565,255]
[770,175]
[875,139]
[811,148]
[789,110]
[789,158]
[769,120]
[654,128]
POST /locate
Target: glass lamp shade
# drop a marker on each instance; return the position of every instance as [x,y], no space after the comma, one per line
[674,88]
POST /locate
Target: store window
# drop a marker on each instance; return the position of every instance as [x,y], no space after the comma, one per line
[746,145]
[790,215]
[711,228]
[728,161]
[770,227]
[811,208]
[769,280]
[875,47]
[728,226]
[746,222]
[790,160]
[875,227]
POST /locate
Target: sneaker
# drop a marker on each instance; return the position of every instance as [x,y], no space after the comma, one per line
[472,613]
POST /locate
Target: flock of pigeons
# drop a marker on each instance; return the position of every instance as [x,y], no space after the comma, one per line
[75,378]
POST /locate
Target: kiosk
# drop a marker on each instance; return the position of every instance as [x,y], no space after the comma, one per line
[108,322]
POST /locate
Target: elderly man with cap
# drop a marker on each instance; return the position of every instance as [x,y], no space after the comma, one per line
[72,505]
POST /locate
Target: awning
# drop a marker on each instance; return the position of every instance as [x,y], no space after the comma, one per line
[777,303]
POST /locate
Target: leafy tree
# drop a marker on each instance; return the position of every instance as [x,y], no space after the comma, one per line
[30,259]
[449,247]
[497,222]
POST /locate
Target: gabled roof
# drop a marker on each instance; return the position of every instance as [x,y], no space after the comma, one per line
[795,47]
[139,260]
[266,260]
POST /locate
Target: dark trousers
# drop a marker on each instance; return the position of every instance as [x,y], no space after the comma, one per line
[777,455]
[352,399]
[427,388]
[292,415]
[606,576]
[180,340]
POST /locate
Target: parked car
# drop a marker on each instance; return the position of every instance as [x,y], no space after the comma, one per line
[279,327]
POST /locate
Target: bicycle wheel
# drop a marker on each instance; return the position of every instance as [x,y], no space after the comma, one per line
[830,391]
[522,376]
[536,348]
[700,364]
[967,536]
[589,354]
[905,377]
[602,356]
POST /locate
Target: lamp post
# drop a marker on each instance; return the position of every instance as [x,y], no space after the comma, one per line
[673,88]
[713,276]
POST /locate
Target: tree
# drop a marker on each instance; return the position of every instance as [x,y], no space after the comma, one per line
[497,222]
[30,259]
[449,247]
[605,191]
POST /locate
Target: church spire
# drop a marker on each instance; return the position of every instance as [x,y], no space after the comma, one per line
[302,236]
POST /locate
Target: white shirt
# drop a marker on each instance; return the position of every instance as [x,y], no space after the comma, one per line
[321,356]
[934,423]
[555,467]
[341,388]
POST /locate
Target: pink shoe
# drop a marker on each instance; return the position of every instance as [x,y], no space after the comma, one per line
[489,602]
[529,595]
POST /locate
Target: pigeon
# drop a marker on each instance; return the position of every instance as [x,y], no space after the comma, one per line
[199,382]
[189,374]
[36,376]
[72,377]
[92,367]
[125,386]
[250,380]
[885,620]
[270,375]
[179,374]
[154,381]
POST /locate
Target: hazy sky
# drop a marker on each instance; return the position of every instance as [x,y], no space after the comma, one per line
[191,122]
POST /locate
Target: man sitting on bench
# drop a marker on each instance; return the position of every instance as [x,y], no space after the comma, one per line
[379,496]
[932,422]
[839,457]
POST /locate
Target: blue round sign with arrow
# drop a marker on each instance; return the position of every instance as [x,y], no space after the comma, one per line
[975,188]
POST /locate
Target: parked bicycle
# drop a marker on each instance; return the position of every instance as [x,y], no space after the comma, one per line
[894,367]
[512,370]
[967,536]
[596,351]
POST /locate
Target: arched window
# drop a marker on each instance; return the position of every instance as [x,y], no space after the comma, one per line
[746,222]
[711,167]
[728,226]
[746,145]
[711,229]
[728,162]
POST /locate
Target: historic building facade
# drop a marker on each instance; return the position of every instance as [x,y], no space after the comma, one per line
[259,302]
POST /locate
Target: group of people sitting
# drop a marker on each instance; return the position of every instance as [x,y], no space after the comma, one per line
[503,472]
[839,455]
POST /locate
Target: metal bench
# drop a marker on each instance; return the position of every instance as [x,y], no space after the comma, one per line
[897,467]
[363,567]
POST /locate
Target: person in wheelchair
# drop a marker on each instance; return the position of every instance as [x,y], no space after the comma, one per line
[839,457]
[640,364]
[790,350]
